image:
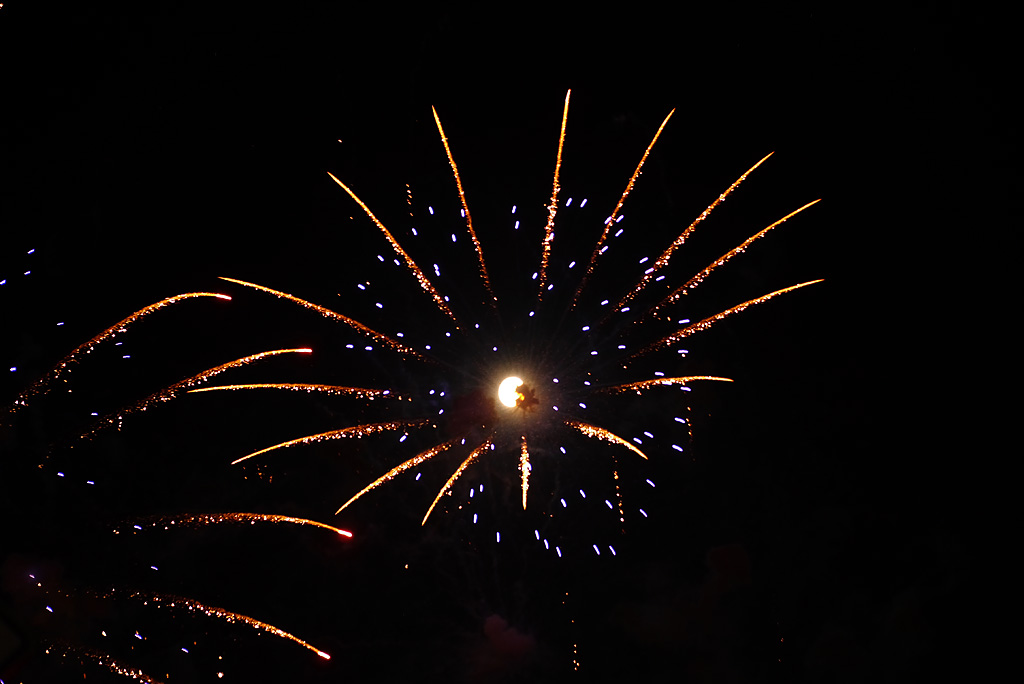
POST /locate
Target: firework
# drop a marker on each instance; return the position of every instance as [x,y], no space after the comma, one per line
[202,520]
[509,384]
[44,383]
[191,605]
[561,381]
[83,656]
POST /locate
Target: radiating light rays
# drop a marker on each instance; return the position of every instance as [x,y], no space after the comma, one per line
[309,388]
[498,439]
[104,660]
[475,454]
[662,261]
[42,384]
[699,277]
[191,605]
[205,519]
[356,431]
[421,278]
[378,337]
[169,393]
[549,229]
[611,220]
[419,458]
[600,433]
[638,387]
[465,208]
[706,323]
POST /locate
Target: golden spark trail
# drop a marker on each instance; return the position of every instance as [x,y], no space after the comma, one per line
[357,432]
[360,392]
[39,386]
[598,248]
[663,260]
[101,659]
[524,466]
[414,461]
[696,280]
[603,435]
[549,230]
[711,320]
[170,601]
[379,338]
[465,208]
[422,279]
[169,393]
[458,472]
[638,387]
[203,519]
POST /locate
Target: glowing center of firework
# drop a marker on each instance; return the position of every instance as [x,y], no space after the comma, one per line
[508,391]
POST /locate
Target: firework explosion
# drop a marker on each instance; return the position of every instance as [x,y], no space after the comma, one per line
[531,380]
[569,360]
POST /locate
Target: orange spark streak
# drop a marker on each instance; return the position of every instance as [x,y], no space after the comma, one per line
[203,519]
[101,659]
[377,337]
[170,601]
[414,461]
[618,207]
[663,260]
[169,393]
[711,320]
[549,230]
[696,280]
[524,467]
[603,435]
[356,431]
[638,387]
[465,208]
[422,279]
[360,392]
[455,476]
[40,385]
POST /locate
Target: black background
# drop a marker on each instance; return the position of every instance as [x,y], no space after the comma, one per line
[815,535]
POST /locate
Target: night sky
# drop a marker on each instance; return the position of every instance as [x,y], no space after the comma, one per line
[808,532]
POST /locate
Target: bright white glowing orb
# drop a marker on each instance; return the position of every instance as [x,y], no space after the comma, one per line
[507,393]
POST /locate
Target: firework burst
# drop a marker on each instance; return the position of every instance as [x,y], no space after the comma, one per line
[522,372]
[461,368]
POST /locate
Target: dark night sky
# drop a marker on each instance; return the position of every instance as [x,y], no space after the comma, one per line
[811,539]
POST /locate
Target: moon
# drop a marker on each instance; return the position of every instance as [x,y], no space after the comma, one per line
[508,391]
